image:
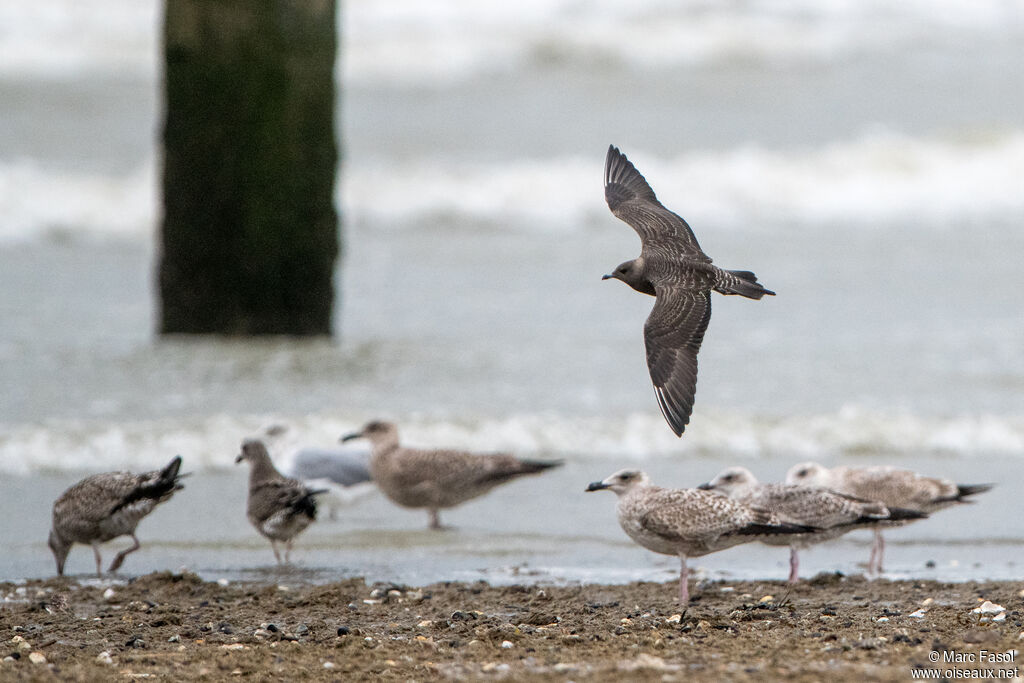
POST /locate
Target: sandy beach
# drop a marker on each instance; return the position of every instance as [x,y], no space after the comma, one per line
[168,626]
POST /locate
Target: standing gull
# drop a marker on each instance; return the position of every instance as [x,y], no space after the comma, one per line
[687,522]
[672,268]
[279,507]
[832,512]
[104,506]
[436,479]
[891,486]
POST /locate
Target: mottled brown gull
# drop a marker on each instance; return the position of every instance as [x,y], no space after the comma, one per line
[436,479]
[832,512]
[104,506]
[673,268]
[687,522]
[891,486]
[279,507]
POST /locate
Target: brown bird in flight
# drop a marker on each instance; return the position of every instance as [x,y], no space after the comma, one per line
[673,268]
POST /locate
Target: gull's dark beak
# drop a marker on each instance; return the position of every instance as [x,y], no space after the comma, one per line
[607,277]
[706,486]
[349,437]
[239,458]
[597,486]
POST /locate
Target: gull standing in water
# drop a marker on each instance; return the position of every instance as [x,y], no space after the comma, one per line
[672,268]
[832,512]
[104,506]
[687,522]
[279,507]
[889,485]
[437,478]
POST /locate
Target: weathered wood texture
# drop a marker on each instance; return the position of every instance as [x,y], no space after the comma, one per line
[250,232]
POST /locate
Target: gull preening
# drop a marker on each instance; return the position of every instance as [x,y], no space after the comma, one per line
[688,522]
[104,506]
[833,513]
[673,268]
[436,479]
[889,485]
[279,507]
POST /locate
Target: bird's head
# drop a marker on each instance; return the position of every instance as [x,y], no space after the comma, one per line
[633,274]
[60,549]
[377,431]
[251,450]
[621,482]
[731,481]
[808,474]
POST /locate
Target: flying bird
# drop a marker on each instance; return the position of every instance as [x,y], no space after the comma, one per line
[890,486]
[688,522]
[104,506]
[279,507]
[437,478]
[673,269]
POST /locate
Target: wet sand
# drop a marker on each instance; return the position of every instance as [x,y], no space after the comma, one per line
[175,626]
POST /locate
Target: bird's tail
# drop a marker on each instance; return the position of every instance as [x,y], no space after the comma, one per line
[760,529]
[156,485]
[509,468]
[532,466]
[306,505]
[903,514]
[742,282]
[964,490]
[170,472]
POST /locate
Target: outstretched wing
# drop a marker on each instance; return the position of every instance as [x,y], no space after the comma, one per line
[673,334]
[632,200]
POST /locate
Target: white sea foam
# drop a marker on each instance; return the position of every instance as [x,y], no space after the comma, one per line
[72,38]
[414,41]
[38,201]
[877,180]
[410,41]
[212,443]
[880,179]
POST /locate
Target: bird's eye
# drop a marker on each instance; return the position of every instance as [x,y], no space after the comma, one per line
[802,473]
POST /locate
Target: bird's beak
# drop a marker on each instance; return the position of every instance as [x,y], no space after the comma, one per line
[706,486]
[607,277]
[597,486]
[239,458]
[349,437]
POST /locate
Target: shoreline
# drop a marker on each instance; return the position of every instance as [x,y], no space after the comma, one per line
[172,626]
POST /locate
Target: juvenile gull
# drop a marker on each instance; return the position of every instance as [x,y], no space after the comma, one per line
[279,507]
[104,506]
[436,479]
[832,512]
[672,268]
[344,473]
[891,486]
[687,522]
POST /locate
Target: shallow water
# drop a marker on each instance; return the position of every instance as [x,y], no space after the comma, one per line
[864,161]
[538,529]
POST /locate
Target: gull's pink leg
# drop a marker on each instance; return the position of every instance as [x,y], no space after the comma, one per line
[684,576]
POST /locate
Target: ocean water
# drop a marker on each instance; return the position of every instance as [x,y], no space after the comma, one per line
[863,159]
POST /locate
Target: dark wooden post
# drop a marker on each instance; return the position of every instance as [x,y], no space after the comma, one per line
[250,233]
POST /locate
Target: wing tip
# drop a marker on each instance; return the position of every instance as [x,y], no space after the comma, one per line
[676,419]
